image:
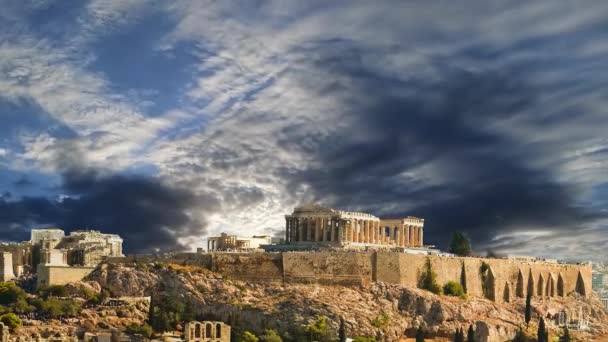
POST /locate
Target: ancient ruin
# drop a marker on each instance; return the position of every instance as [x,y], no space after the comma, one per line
[207,331]
[315,224]
[57,258]
[226,242]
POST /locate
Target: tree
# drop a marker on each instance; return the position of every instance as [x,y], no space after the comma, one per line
[420,334]
[519,336]
[249,337]
[471,334]
[460,245]
[458,336]
[342,331]
[542,331]
[528,314]
[11,321]
[428,278]
[463,278]
[319,330]
[566,335]
[452,288]
[137,329]
[270,335]
[10,293]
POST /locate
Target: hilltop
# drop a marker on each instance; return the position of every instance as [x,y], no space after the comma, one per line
[369,310]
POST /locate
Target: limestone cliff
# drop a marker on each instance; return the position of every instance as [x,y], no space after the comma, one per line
[391,310]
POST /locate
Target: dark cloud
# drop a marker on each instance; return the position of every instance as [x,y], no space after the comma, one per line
[478,179]
[23,182]
[147,213]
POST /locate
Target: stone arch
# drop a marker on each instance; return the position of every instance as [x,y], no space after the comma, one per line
[580,285]
[550,286]
[560,285]
[208,330]
[519,286]
[506,295]
[540,288]
[530,283]
[490,285]
[197,330]
[218,330]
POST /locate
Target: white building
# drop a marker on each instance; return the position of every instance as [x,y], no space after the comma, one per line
[46,234]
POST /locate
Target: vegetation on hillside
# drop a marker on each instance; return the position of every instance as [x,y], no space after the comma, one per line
[452,288]
[428,278]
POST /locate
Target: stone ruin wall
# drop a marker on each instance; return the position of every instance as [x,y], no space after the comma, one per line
[340,268]
[506,283]
[359,268]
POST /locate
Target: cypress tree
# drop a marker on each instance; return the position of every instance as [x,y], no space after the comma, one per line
[342,331]
[420,335]
[566,335]
[528,309]
[542,331]
[471,334]
[519,337]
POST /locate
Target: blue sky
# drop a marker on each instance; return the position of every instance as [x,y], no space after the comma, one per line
[166,121]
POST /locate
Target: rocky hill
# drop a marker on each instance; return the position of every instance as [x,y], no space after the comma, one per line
[392,311]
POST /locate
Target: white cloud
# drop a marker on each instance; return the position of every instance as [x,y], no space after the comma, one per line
[255,89]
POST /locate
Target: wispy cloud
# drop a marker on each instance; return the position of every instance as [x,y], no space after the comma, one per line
[481,117]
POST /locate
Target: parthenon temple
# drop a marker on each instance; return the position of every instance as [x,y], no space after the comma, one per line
[314,224]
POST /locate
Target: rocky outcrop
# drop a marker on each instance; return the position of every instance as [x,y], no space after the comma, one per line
[392,311]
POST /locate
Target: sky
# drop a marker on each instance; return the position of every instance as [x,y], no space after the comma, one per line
[168,121]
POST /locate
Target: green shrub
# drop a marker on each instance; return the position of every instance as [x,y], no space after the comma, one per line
[54,307]
[249,337]
[11,321]
[270,335]
[452,288]
[428,278]
[21,306]
[53,291]
[319,330]
[10,293]
[136,329]
[382,320]
[364,339]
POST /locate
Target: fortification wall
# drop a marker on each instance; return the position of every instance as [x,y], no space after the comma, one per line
[249,266]
[61,275]
[345,268]
[497,279]
[502,279]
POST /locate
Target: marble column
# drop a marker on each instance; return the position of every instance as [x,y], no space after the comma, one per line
[361,231]
[318,229]
[374,232]
[411,234]
[366,231]
[398,237]
[301,226]
[421,236]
